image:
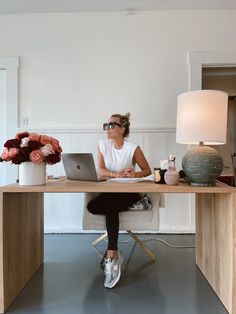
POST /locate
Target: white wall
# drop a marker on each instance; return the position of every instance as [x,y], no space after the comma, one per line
[98,63]
[78,68]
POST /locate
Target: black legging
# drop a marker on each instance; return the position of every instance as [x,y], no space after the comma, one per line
[110,204]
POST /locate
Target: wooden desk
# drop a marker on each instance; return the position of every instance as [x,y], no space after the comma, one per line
[21,232]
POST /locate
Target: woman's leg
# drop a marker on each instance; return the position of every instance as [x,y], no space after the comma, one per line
[110,204]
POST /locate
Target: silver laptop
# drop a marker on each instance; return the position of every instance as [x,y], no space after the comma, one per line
[80,166]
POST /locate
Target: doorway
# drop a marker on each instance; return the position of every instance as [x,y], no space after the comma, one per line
[2,121]
[8,112]
[224,78]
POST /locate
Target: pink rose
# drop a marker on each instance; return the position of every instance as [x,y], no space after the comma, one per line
[55,145]
[34,137]
[54,140]
[47,150]
[5,154]
[13,152]
[36,156]
[59,149]
[45,139]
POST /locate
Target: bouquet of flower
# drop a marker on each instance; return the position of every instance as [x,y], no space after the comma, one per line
[31,147]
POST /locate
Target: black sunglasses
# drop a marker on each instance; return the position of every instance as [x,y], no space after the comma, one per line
[110,125]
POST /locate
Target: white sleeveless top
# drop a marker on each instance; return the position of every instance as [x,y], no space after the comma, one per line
[117,159]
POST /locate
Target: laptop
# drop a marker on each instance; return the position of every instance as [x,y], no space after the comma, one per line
[80,166]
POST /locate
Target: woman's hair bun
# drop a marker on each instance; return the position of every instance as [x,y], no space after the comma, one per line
[127,115]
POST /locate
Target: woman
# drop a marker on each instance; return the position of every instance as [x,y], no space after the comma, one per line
[117,158]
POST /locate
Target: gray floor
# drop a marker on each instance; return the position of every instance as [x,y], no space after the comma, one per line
[70,282]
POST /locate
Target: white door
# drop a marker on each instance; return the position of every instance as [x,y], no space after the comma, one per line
[8,112]
[2,122]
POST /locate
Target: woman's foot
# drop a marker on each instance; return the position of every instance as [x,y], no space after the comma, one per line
[112,269]
[108,254]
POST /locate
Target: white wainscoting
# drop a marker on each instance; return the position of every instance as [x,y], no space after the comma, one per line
[63,212]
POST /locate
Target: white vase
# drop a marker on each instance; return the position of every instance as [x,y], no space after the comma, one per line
[31,173]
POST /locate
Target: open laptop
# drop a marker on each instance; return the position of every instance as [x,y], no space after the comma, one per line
[80,166]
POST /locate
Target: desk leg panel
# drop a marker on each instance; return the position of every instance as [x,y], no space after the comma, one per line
[215,252]
[21,241]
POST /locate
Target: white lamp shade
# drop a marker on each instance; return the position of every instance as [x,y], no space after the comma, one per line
[202,117]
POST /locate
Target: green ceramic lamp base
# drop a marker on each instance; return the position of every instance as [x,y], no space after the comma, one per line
[202,165]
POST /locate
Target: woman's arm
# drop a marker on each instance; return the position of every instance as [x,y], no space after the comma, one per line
[103,171]
[140,159]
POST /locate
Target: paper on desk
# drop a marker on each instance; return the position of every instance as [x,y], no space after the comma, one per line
[132,180]
[56,179]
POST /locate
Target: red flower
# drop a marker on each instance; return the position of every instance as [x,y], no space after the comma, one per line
[34,145]
[53,158]
[21,135]
[25,151]
[18,159]
[13,143]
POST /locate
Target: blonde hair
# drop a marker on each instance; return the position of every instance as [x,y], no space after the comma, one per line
[124,121]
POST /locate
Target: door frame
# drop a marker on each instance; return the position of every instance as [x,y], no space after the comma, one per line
[198,59]
[10,65]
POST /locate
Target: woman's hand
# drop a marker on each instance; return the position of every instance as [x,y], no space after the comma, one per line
[127,173]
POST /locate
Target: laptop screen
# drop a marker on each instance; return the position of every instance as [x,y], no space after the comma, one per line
[79,166]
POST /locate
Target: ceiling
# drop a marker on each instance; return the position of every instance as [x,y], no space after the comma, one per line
[129,6]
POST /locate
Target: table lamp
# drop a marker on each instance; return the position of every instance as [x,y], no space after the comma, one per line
[202,119]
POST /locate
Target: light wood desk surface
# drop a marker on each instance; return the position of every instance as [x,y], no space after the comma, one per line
[22,226]
[70,186]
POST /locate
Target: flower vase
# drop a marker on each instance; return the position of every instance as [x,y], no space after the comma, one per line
[31,173]
[172,176]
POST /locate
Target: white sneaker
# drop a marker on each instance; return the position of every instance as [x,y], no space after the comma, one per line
[112,270]
[142,204]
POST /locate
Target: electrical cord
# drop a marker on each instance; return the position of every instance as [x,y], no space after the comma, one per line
[170,245]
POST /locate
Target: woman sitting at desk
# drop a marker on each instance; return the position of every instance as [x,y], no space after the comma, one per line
[117,158]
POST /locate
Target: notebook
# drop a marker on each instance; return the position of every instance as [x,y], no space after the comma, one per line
[80,166]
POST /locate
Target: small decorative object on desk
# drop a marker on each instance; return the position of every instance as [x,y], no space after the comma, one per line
[160,172]
[172,175]
[32,151]
[159,175]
